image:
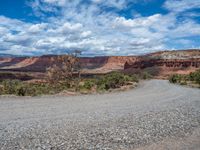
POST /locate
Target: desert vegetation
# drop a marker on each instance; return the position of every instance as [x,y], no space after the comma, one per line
[65,67]
[192,79]
[65,75]
[95,84]
[107,82]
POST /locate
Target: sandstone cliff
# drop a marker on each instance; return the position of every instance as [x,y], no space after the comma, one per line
[166,59]
[171,63]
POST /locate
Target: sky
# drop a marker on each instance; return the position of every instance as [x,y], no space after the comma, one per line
[98,27]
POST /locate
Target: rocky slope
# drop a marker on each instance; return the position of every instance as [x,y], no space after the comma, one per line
[177,60]
[169,63]
[39,64]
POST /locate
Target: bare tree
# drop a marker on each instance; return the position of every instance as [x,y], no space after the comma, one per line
[64,67]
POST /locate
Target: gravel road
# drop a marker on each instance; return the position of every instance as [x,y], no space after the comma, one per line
[155,115]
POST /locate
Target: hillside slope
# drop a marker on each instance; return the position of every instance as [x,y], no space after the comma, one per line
[187,60]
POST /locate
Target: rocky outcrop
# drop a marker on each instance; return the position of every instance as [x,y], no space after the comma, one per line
[105,64]
[39,64]
[181,54]
[26,64]
[171,63]
[169,59]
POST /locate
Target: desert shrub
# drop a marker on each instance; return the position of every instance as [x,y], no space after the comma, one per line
[195,76]
[101,83]
[145,75]
[30,90]
[1,89]
[175,78]
[197,79]
[102,87]
[182,79]
[21,91]
[131,78]
[11,86]
[46,88]
[183,83]
[16,87]
[37,89]
[88,84]
[64,68]
[191,76]
[114,80]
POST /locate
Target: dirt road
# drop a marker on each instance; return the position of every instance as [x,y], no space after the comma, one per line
[155,115]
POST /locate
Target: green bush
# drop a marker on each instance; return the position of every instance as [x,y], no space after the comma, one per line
[195,76]
[175,78]
[11,86]
[114,80]
[183,83]
[88,84]
[182,79]
[102,83]
[20,88]
[1,89]
[131,78]
[145,75]
[21,91]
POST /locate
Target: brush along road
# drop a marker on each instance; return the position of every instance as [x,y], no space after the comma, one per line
[155,115]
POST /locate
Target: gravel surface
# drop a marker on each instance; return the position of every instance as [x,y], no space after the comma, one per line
[155,115]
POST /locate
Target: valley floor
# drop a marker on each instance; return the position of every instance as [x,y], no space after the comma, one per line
[155,115]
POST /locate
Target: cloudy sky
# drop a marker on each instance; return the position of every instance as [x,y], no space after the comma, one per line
[98,27]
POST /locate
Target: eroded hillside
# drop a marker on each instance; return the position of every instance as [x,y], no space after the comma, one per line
[166,61]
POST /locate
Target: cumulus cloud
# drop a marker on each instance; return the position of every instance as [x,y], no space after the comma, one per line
[138,22]
[181,5]
[35,28]
[87,26]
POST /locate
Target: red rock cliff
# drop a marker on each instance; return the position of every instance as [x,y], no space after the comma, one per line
[170,59]
[171,63]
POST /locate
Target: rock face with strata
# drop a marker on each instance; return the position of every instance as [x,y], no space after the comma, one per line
[170,63]
[166,59]
[40,64]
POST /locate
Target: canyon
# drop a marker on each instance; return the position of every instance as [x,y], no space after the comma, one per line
[167,62]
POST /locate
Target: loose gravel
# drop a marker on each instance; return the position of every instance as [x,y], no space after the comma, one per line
[155,115]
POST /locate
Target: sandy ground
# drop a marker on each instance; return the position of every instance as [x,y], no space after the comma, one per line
[155,115]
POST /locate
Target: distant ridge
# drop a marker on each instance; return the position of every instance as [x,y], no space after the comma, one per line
[10,55]
[3,55]
[103,64]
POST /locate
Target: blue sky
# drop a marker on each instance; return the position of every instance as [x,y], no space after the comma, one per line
[98,27]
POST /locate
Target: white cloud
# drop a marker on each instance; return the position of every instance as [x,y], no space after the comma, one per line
[89,28]
[55,2]
[181,5]
[67,27]
[138,22]
[18,39]
[3,31]
[86,34]
[35,28]
[119,4]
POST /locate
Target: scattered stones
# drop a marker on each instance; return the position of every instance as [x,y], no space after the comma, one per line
[138,119]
